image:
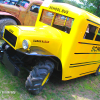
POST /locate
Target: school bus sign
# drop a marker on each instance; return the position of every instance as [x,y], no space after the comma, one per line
[64,38]
[58,9]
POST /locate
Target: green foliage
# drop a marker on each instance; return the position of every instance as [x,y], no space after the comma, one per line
[58,0]
[72,2]
[92,6]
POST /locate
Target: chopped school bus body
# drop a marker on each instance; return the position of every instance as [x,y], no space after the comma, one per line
[65,35]
[79,51]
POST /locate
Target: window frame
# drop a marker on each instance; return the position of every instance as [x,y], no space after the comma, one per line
[95,33]
[37,7]
[98,28]
[53,19]
[42,16]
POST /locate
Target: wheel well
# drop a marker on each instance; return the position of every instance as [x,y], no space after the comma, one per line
[55,60]
[29,61]
[3,16]
[57,73]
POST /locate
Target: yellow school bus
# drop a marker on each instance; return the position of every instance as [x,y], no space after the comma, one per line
[64,38]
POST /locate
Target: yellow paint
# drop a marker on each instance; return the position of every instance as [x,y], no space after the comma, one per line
[45,79]
[99,69]
[67,47]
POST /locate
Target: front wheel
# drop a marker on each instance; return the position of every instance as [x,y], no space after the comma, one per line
[39,76]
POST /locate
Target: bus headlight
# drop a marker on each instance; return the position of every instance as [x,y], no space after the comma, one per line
[26,44]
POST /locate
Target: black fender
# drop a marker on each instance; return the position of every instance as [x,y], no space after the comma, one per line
[38,52]
[1,53]
[25,58]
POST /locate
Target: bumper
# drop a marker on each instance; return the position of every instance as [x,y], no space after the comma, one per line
[4,58]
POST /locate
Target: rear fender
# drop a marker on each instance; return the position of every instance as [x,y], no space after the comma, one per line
[10,15]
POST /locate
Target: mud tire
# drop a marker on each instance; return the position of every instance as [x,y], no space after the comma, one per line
[6,21]
[97,72]
[34,83]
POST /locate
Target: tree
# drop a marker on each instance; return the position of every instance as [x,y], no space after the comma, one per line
[58,0]
[72,2]
[92,6]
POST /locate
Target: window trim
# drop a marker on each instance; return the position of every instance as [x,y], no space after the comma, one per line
[53,19]
[42,15]
[95,33]
[34,5]
[92,21]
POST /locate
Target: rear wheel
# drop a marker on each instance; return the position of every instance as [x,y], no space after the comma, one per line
[98,71]
[39,76]
[6,21]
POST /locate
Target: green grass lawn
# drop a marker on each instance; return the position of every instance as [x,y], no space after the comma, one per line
[84,88]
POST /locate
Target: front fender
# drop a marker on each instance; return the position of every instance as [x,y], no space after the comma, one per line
[37,52]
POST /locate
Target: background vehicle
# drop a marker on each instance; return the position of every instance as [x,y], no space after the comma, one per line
[23,13]
[11,2]
[64,38]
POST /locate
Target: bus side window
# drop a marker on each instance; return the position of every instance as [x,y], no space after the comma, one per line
[47,17]
[59,22]
[69,24]
[90,32]
[98,36]
[63,23]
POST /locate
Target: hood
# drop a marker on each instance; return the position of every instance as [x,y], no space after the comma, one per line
[44,31]
[45,37]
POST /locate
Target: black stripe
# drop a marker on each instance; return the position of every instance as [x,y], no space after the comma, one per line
[93,22]
[88,72]
[68,77]
[84,64]
[86,53]
[88,43]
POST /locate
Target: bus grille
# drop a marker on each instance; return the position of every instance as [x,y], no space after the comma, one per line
[10,37]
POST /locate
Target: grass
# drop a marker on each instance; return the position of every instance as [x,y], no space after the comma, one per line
[84,88]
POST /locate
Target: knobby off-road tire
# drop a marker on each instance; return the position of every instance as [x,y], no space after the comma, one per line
[39,76]
[6,21]
[97,72]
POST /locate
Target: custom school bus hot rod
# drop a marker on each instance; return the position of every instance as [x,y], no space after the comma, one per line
[64,38]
